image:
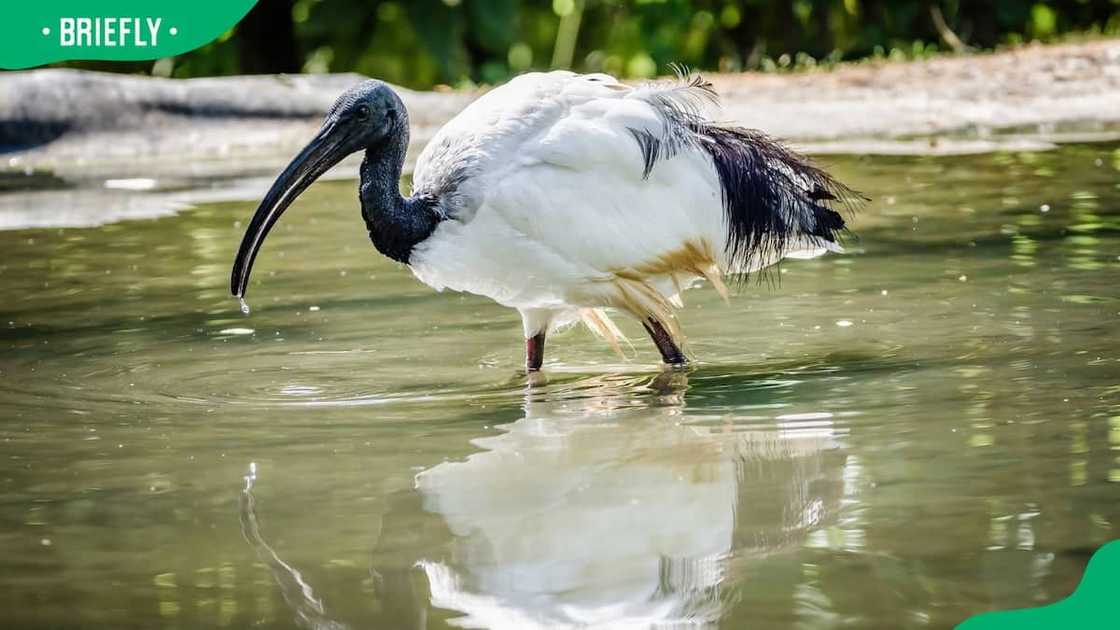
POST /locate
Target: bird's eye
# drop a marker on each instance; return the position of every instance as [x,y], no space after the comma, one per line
[363,112]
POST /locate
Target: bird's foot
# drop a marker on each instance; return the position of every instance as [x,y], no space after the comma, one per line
[679,365]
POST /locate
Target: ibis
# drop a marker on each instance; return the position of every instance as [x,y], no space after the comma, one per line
[567,196]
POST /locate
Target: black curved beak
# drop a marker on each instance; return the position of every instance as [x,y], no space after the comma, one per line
[324,151]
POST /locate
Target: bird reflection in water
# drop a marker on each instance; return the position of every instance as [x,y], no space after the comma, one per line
[297,593]
[600,509]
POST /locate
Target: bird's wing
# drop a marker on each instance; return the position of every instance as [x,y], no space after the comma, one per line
[480,140]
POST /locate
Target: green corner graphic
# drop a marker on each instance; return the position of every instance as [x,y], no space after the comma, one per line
[37,33]
[1093,605]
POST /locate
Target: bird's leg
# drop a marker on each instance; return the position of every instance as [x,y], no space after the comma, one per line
[534,352]
[670,353]
[535,323]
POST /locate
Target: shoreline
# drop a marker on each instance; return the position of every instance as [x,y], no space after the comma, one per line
[157,145]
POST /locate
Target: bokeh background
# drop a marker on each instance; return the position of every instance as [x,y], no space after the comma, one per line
[460,43]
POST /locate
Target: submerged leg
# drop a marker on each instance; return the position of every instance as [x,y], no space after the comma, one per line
[534,352]
[670,353]
[535,322]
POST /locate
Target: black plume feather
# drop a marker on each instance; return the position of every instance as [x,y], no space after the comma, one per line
[771,194]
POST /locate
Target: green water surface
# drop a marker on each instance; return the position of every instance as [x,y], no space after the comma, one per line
[921,429]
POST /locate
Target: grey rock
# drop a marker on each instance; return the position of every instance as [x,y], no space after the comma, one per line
[90,125]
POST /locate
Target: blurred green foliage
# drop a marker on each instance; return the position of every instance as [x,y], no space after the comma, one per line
[423,43]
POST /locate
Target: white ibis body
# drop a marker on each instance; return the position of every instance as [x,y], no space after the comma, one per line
[564,195]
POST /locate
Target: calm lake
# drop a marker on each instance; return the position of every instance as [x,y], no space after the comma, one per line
[918,430]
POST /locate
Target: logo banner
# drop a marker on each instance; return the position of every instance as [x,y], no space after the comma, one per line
[38,33]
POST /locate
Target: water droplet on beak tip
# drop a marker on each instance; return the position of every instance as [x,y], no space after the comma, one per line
[244,305]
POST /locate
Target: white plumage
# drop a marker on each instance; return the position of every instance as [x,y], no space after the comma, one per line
[553,213]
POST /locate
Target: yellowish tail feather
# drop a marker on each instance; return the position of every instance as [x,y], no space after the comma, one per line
[597,321]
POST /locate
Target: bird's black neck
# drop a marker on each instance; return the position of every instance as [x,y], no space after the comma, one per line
[395,223]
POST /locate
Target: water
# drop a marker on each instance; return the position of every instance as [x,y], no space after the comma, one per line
[922,429]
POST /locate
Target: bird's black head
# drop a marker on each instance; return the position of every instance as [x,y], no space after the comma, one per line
[367,116]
